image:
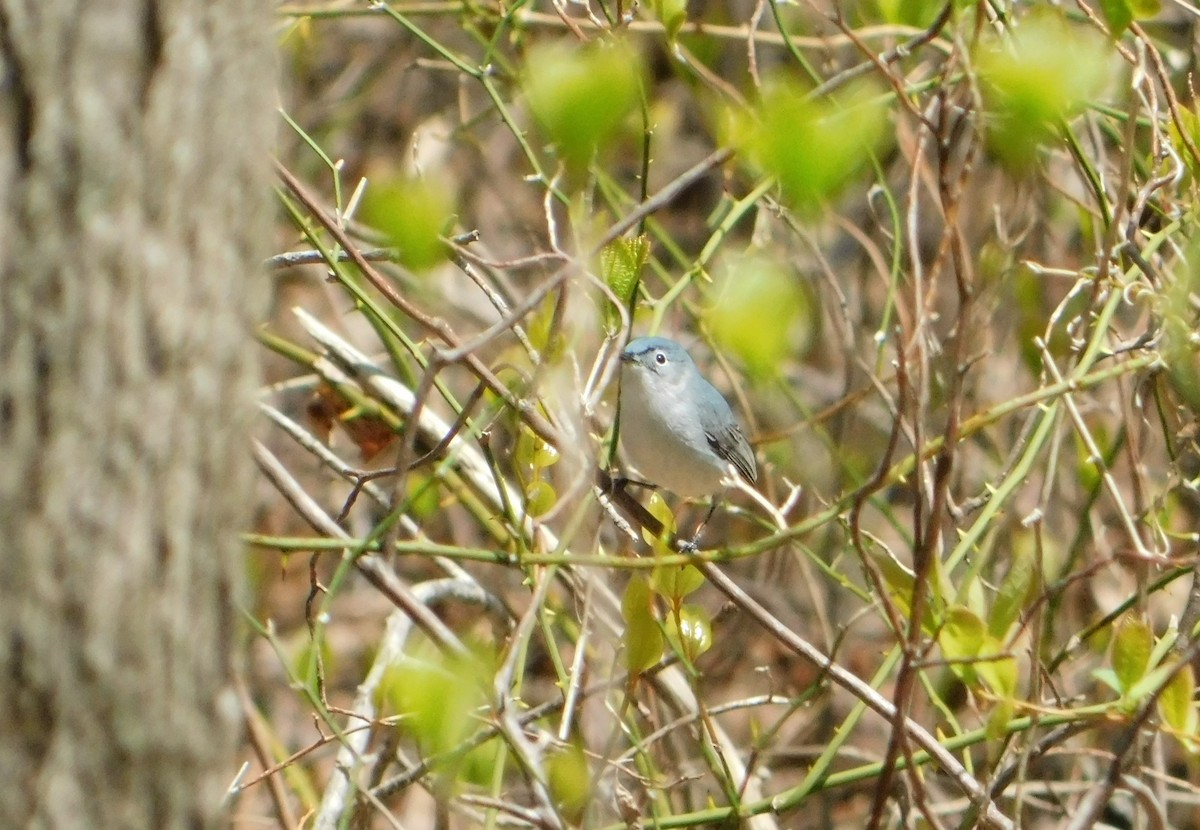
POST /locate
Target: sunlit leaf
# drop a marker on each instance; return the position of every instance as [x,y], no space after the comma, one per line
[547,455]
[423,494]
[761,313]
[621,264]
[440,697]
[1190,123]
[540,497]
[1176,703]
[814,147]
[1118,14]
[1147,685]
[897,576]
[526,448]
[1131,649]
[675,582]
[974,596]
[1087,471]
[1163,645]
[996,669]
[544,330]
[643,637]
[1179,343]
[478,765]
[580,95]
[961,638]
[1043,74]
[414,213]
[570,780]
[918,13]
[998,720]
[671,13]
[532,456]
[1145,9]
[690,632]
[657,507]
[532,452]
[1014,590]
[304,661]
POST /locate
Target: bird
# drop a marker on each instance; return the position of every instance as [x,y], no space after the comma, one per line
[676,429]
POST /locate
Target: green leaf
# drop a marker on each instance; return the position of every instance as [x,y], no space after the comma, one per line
[690,632]
[964,637]
[423,497]
[815,147]
[918,13]
[413,213]
[1118,14]
[1176,704]
[532,456]
[674,582]
[545,331]
[621,265]
[1087,471]
[304,662]
[1145,9]
[1179,346]
[996,727]
[996,669]
[762,314]
[896,575]
[961,637]
[440,697]
[1131,649]
[540,498]
[962,634]
[672,14]
[974,595]
[570,780]
[580,95]
[657,507]
[1147,685]
[643,637]
[1014,590]
[525,449]
[1045,73]
[1163,645]
[531,453]
[1191,124]
[547,455]
[478,765]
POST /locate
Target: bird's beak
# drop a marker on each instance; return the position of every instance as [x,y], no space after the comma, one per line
[626,357]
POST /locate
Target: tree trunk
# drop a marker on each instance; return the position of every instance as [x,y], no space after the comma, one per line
[133,151]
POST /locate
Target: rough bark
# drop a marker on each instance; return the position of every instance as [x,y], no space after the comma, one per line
[133,151]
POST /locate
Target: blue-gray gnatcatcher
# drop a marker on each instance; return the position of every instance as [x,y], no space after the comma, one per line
[677,430]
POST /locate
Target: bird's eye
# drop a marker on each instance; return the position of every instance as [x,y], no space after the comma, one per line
[660,359]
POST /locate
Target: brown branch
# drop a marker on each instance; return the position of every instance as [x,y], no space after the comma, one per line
[990,815]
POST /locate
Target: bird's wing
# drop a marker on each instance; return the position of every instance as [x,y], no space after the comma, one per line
[730,444]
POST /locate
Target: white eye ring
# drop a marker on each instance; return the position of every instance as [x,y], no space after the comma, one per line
[660,359]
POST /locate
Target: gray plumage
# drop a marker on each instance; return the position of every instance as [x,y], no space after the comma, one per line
[676,428]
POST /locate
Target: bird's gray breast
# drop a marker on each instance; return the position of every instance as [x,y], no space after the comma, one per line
[665,440]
